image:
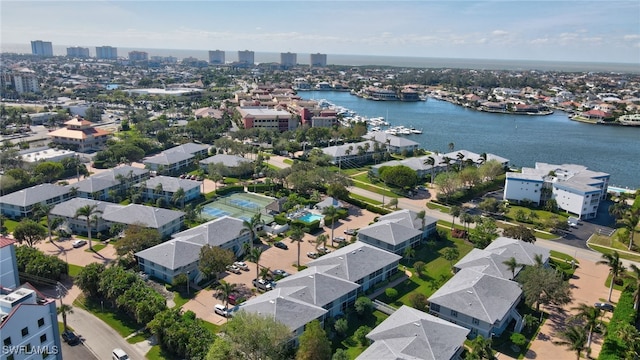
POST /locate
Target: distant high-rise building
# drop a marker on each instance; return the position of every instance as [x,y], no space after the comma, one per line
[138,56]
[41,48]
[216,57]
[78,52]
[319,60]
[288,59]
[22,80]
[246,57]
[106,52]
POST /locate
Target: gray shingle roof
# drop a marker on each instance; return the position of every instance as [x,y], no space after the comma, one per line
[226,160]
[355,261]
[329,201]
[389,231]
[172,254]
[147,215]
[409,218]
[33,195]
[69,207]
[215,232]
[341,150]
[396,141]
[524,252]
[171,184]
[484,297]
[412,334]
[276,304]
[168,158]
[486,262]
[106,179]
[188,148]
[316,287]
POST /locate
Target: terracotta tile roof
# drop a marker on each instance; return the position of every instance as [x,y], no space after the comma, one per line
[5,241]
[78,134]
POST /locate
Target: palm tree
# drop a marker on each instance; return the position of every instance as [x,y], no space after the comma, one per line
[90,213]
[483,158]
[460,157]
[296,235]
[322,238]
[512,265]
[63,310]
[615,267]
[466,219]
[636,294]
[455,211]
[481,349]
[630,221]
[45,210]
[631,337]
[575,337]
[226,289]
[451,146]
[430,161]
[618,209]
[250,226]
[330,212]
[409,252]
[451,254]
[591,316]
[178,197]
[158,189]
[254,256]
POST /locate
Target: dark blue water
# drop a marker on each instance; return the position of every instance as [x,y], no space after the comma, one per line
[524,140]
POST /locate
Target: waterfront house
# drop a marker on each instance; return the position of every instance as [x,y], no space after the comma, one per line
[394,144]
[19,204]
[234,163]
[482,303]
[352,154]
[575,188]
[409,333]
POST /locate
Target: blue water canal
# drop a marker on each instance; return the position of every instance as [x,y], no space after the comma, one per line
[524,140]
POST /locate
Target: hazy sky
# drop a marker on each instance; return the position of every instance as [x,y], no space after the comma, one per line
[599,31]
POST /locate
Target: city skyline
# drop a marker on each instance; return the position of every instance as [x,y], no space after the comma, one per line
[591,31]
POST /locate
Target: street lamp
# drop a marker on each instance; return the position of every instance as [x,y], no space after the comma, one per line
[188,272]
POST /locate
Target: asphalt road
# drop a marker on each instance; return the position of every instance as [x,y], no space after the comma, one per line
[101,338]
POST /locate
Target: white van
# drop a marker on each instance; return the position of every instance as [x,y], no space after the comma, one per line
[119,354]
[221,310]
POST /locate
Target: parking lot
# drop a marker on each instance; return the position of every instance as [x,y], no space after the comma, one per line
[274,258]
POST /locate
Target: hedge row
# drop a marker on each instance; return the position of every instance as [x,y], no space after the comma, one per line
[613,346]
[229,189]
[363,205]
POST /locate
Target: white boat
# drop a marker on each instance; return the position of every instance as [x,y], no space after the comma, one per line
[375,128]
[416,131]
[391,131]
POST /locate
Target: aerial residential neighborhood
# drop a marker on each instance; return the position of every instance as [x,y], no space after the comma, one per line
[156,207]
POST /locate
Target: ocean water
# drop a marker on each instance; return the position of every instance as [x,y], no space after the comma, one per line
[359,60]
[524,140]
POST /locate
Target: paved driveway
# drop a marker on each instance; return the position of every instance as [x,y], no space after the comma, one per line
[65,251]
[588,288]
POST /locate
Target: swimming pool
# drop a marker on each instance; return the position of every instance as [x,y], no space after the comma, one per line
[619,190]
[309,218]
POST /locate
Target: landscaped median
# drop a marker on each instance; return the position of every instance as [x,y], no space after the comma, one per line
[607,245]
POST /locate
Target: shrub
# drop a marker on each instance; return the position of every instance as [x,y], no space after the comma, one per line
[363,305]
[518,339]
[624,313]
[280,219]
[361,335]
[418,301]
[391,293]
[230,189]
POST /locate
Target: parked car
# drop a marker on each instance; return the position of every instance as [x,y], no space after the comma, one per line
[262,284]
[242,265]
[323,250]
[79,243]
[280,272]
[350,231]
[604,306]
[233,299]
[234,269]
[281,245]
[339,239]
[313,255]
[70,338]
[221,310]
[119,354]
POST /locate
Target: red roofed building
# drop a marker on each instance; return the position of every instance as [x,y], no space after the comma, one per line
[80,135]
[596,115]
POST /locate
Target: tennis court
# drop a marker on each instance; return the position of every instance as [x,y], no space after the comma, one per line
[239,205]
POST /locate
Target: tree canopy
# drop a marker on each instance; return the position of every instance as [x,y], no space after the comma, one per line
[314,344]
[213,260]
[29,232]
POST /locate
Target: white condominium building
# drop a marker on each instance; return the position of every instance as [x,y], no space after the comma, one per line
[574,188]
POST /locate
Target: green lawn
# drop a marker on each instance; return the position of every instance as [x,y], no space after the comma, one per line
[365,199]
[562,256]
[434,206]
[348,342]
[436,273]
[366,186]
[96,247]
[120,322]
[182,298]
[10,225]
[288,161]
[212,327]
[156,353]
[140,337]
[623,255]
[614,240]
[74,270]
